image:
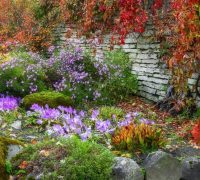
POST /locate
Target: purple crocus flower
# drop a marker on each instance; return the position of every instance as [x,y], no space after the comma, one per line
[59,129]
[95,114]
[84,136]
[126,122]
[8,103]
[39,121]
[36,108]
[146,121]
[135,114]
[49,113]
[103,126]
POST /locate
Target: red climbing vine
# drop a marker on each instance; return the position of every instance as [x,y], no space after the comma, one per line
[177,25]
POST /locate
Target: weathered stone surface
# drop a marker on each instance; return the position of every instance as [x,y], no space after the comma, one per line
[130,40]
[126,169]
[192,81]
[161,93]
[13,150]
[147,56]
[143,51]
[152,79]
[147,89]
[152,85]
[162,166]
[133,55]
[148,96]
[191,168]
[145,69]
[186,151]
[17,125]
[161,76]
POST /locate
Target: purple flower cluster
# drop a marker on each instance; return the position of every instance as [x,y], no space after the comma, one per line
[134,117]
[46,113]
[69,70]
[70,120]
[23,72]
[69,64]
[66,121]
[8,103]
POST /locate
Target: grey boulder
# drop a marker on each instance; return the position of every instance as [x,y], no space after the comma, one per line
[191,168]
[162,166]
[126,169]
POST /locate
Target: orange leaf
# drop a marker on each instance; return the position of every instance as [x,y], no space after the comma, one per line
[23,165]
[33,141]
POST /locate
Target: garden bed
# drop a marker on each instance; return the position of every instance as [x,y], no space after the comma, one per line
[69,107]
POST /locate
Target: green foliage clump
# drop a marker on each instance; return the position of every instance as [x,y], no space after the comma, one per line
[122,82]
[197,113]
[111,112]
[52,98]
[68,158]
[4,142]
[18,74]
[110,80]
[70,71]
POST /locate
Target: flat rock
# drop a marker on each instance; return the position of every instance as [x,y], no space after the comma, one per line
[17,125]
[186,151]
[191,168]
[126,169]
[13,150]
[162,166]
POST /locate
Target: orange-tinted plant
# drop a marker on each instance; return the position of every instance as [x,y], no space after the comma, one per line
[196,133]
[30,23]
[138,137]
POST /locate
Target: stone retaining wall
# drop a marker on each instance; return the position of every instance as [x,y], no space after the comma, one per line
[144,52]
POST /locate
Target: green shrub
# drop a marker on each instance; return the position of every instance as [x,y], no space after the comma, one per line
[22,75]
[110,80]
[70,158]
[121,82]
[52,98]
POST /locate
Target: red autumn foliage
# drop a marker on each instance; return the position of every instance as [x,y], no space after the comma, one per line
[28,23]
[179,28]
[196,133]
[21,21]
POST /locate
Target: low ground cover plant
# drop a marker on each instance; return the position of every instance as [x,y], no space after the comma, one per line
[67,158]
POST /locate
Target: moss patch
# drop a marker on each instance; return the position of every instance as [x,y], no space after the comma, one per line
[53,99]
[71,158]
[4,142]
